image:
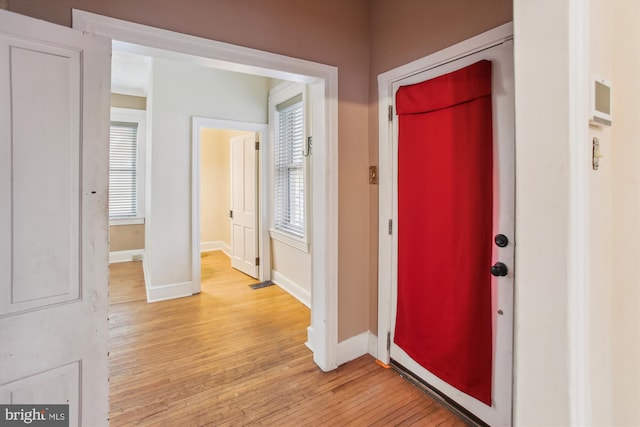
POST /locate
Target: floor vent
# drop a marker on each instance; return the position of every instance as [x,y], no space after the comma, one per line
[261,284]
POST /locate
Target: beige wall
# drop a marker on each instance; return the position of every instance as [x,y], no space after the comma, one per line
[292,263]
[215,184]
[614,324]
[625,271]
[128,101]
[127,237]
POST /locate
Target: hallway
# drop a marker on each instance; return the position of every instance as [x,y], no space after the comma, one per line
[236,356]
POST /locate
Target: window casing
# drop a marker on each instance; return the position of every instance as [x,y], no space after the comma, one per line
[289,167]
[126,166]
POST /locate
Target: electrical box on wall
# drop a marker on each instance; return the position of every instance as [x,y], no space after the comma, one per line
[600,108]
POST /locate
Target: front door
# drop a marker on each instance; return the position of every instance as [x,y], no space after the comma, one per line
[452,297]
[244,204]
[54,150]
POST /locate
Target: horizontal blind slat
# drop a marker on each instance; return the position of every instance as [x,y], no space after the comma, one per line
[123,161]
[289,169]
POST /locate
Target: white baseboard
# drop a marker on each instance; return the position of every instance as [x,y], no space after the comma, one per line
[147,277]
[218,245]
[165,292]
[353,347]
[126,256]
[291,287]
[373,345]
[310,338]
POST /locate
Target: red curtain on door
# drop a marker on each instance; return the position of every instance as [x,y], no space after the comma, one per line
[445,227]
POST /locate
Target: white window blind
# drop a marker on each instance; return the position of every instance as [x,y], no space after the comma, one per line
[289,168]
[123,164]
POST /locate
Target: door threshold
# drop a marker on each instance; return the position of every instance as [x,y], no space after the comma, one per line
[466,416]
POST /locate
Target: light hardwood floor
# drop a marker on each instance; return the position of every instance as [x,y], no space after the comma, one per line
[236,356]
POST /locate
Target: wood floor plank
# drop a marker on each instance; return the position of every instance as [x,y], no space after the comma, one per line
[236,356]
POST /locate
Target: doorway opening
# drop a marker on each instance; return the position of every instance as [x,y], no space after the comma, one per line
[322,83]
[223,177]
[227,163]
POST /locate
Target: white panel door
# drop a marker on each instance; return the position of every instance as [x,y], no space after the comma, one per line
[244,203]
[499,413]
[54,97]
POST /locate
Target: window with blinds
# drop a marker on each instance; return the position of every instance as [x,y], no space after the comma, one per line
[123,170]
[289,186]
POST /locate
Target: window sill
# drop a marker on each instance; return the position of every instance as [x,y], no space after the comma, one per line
[126,221]
[289,239]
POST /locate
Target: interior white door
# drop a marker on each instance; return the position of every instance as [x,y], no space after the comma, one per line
[244,203]
[54,97]
[499,413]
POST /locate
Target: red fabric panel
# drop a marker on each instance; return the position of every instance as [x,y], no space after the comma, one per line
[446,91]
[445,227]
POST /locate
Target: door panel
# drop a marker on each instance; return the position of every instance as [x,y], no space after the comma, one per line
[54,87]
[45,266]
[499,412]
[244,200]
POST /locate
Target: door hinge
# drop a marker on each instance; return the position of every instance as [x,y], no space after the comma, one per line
[257,145]
[390,226]
[390,113]
[230,213]
[388,341]
[257,261]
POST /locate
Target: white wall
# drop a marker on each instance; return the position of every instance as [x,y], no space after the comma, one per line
[601,225]
[541,45]
[181,92]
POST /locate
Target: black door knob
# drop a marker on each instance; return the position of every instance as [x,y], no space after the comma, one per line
[501,240]
[499,269]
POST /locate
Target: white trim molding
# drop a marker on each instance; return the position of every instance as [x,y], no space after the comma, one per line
[218,245]
[126,256]
[289,239]
[354,347]
[373,344]
[323,85]
[291,287]
[172,291]
[579,227]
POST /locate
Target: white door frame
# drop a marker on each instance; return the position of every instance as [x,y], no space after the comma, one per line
[323,82]
[264,252]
